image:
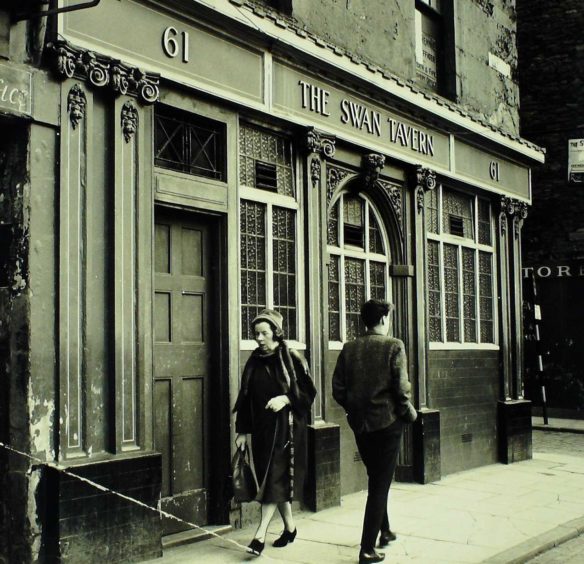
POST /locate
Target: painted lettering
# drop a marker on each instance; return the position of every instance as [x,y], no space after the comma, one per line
[314,98]
[564,271]
[361,117]
[544,271]
[412,137]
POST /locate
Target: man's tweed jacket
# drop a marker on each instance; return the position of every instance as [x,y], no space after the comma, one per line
[371,383]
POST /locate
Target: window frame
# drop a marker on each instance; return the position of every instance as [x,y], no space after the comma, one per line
[353,252]
[461,243]
[272,199]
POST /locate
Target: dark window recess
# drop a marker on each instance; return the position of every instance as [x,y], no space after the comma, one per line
[456,225]
[266,176]
[5,246]
[353,235]
[190,143]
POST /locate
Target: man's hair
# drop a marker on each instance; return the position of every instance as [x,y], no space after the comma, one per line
[373,310]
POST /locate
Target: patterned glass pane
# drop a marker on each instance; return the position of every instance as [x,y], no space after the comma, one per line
[253,263]
[486,297]
[434,287]
[432,211]
[457,216]
[451,293]
[353,221]
[469,293]
[334,287]
[484,222]
[284,258]
[375,240]
[333,226]
[377,280]
[354,296]
[261,152]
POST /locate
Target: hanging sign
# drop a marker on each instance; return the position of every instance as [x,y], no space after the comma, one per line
[576,161]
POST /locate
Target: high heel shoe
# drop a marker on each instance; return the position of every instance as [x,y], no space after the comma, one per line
[285,538]
[255,547]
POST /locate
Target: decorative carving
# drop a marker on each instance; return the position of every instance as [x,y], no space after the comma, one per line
[318,142]
[425,180]
[315,172]
[394,194]
[76,102]
[516,210]
[372,165]
[334,176]
[103,72]
[129,121]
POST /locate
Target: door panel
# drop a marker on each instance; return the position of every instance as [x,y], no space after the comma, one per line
[182,301]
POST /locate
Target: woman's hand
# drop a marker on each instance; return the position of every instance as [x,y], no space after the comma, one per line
[241,441]
[278,402]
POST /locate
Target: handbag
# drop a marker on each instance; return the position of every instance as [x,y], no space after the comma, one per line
[244,483]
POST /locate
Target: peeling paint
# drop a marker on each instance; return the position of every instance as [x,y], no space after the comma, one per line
[34,478]
[41,424]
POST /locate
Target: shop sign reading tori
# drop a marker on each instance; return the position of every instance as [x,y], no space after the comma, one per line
[316,99]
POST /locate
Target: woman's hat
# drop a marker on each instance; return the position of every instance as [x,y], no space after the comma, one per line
[270,315]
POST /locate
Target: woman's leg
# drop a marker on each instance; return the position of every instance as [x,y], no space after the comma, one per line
[268,510]
[285,509]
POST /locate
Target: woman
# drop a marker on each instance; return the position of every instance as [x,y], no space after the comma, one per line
[272,407]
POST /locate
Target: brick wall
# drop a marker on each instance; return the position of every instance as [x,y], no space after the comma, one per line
[463,386]
[86,524]
[551,76]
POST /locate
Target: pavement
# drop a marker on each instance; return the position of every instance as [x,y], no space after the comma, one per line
[495,514]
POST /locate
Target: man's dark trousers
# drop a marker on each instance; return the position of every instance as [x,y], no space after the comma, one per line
[379,451]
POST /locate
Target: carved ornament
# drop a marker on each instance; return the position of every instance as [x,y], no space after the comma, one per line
[318,142]
[516,210]
[372,165]
[129,120]
[334,177]
[425,179]
[103,72]
[76,103]
[394,194]
[315,172]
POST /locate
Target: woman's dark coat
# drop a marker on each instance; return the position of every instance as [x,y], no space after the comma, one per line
[279,468]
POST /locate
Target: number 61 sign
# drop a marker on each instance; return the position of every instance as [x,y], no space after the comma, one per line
[175,44]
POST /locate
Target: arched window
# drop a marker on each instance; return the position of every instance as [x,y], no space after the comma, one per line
[358,269]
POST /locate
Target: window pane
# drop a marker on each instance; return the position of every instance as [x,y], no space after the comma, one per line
[469,295]
[284,257]
[334,288]
[432,211]
[486,297]
[253,263]
[457,214]
[484,222]
[377,280]
[452,292]
[189,143]
[354,296]
[353,221]
[434,287]
[333,226]
[265,161]
[375,240]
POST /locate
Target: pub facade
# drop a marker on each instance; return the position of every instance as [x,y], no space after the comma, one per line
[187,166]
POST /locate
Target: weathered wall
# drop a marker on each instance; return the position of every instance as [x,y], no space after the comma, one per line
[382,32]
[464,386]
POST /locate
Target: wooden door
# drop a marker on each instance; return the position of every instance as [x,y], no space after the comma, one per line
[182,296]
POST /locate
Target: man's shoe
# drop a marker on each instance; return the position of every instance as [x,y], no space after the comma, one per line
[386,537]
[367,557]
[285,538]
[255,547]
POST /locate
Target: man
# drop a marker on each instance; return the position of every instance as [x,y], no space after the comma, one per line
[371,383]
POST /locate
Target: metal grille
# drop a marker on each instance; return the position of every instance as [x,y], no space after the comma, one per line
[265,161]
[459,206]
[486,297]
[190,144]
[284,256]
[253,263]
[334,287]
[434,287]
[469,294]
[354,296]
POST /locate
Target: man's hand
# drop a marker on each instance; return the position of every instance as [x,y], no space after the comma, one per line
[277,403]
[241,441]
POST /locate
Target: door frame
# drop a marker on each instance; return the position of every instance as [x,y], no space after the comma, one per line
[219,415]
